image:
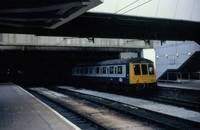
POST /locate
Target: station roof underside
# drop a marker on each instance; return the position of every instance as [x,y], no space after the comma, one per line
[50,19]
[48,14]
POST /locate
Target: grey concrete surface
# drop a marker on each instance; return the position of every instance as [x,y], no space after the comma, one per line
[21,111]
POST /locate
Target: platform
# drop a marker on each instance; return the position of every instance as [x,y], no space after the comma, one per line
[193,85]
[19,110]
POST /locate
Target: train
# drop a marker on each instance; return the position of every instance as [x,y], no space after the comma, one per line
[134,74]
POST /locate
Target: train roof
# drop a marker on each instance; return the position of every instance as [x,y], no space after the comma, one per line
[119,61]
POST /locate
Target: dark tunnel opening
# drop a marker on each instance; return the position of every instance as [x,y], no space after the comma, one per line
[45,67]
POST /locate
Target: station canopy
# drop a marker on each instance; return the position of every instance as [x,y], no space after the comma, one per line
[42,13]
[134,19]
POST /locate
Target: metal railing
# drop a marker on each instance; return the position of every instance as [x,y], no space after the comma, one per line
[181,77]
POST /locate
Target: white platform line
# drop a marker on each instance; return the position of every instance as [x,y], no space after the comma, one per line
[55,112]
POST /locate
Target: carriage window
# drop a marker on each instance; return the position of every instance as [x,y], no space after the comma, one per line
[104,70]
[137,69]
[115,70]
[151,70]
[97,70]
[90,70]
[100,70]
[144,69]
[73,70]
[94,70]
[81,70]
[86,70]
[108,70]
[111,70]
[78,70]
[119,68]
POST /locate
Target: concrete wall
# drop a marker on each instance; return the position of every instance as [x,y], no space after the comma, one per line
[149,54]
[24,39]
[172,54]
[14,39]
[125,55]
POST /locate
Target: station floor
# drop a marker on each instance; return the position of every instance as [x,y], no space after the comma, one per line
[19,110]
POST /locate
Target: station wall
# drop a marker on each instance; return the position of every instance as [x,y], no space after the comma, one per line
[172,54]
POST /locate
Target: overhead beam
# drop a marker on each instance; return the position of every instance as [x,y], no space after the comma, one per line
[53,13]
[87,6]
[100,25]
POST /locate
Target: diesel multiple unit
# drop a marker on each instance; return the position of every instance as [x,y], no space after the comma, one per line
[136,73]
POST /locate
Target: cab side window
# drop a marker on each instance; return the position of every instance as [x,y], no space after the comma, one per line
[151,69]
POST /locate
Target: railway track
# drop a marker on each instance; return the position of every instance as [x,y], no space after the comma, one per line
[177,102]
[187,98]
[160,118]
[75,118]
[102,117]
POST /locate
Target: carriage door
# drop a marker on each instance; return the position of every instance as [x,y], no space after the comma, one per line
[134,73]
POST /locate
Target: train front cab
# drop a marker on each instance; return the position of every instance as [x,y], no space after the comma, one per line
[142,76]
